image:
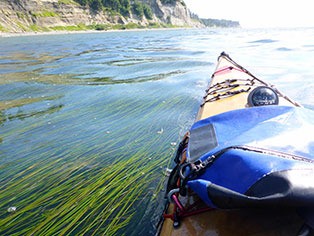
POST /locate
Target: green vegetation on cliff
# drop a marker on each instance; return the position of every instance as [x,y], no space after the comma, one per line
[124,7]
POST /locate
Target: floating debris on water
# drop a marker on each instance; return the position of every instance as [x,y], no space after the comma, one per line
[11,209]
[168,171]
[173,143]
[160,131]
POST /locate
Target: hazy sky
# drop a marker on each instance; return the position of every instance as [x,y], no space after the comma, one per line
[257,13]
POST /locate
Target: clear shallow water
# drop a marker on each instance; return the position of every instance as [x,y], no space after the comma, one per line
[88,121]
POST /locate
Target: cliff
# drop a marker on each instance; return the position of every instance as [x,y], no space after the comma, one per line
[47,15]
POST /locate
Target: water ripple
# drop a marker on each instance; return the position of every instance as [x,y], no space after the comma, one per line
[284,49]
[263,41]
[87,120]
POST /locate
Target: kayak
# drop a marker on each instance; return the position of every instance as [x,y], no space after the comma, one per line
[246,166]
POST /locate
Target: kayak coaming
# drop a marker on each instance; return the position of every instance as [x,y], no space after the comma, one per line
[243,221]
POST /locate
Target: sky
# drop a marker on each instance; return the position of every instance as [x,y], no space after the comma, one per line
[257,13]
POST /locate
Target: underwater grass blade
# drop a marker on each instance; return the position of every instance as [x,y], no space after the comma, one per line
[74,186]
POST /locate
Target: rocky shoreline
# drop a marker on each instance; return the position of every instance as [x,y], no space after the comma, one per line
[19,34]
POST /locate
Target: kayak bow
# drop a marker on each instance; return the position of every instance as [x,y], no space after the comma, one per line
[246,167]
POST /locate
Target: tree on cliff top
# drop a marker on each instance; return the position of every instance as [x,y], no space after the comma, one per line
[123,7]
[95,5]
[168,1]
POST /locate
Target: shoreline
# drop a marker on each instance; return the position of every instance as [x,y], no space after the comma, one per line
[33,33]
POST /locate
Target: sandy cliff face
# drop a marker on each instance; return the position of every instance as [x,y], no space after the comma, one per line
[176,14]
[38,15]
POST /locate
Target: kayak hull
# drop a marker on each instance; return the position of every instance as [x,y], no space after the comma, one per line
[257,222]
[262,212]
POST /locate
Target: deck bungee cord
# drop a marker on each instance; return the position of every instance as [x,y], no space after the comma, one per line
[226,89]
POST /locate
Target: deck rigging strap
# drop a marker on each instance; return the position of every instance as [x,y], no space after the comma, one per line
[175,189]
[225,69]
[226,89]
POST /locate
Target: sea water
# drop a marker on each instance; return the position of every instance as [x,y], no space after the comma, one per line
[89,121]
